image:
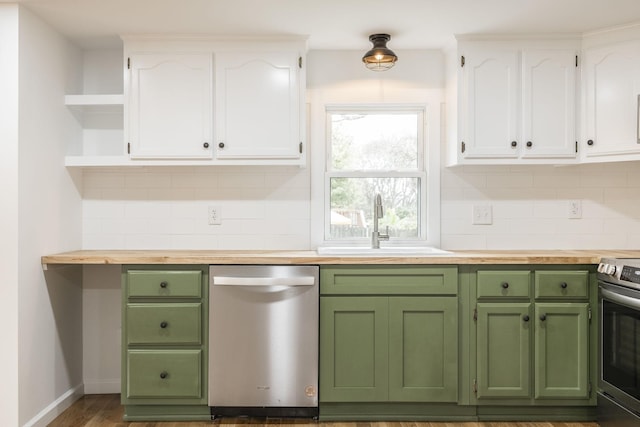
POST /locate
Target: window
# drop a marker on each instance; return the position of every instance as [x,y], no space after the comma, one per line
[375,151]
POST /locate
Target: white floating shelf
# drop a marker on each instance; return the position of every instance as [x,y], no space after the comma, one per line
[87,100]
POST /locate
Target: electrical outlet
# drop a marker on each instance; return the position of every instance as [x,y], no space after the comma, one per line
[482,215]
[214,215]
[575,209]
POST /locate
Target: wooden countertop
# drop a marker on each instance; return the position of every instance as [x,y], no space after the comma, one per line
[311,257]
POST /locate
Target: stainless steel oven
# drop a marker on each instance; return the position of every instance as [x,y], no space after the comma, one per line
[619,343]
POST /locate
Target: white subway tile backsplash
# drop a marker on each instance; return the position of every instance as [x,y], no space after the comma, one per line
[167,208]
[530,207]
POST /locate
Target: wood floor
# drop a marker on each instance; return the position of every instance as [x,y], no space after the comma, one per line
[104,410]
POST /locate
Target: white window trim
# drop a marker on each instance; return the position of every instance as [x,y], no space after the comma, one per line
[433,112]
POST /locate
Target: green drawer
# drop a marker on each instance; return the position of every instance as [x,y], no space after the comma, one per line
[387,280]
[164,284]
[504,284]
[169,323]
[562,284]
[164,374]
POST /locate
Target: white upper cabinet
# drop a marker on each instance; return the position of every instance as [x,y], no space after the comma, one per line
[169,107]
[516,103]
[548,104]
[489,114]
[612,88]
[258,105]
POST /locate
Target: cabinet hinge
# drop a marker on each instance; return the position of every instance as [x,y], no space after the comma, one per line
[576,60]
[462,61]
[300,62]
[463,147]
[128,63]
[589,313]
[475,386]
[300,148]
[128,148]
[589,389]
[475,314]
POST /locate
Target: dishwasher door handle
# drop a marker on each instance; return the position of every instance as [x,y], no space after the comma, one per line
[264,281]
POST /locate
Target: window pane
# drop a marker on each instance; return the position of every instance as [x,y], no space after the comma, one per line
[352,207]
[374,141]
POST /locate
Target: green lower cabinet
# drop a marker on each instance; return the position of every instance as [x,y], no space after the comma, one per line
[388,349]
[423,349]
[503,345]
[165,343]
[353,349]
[562,349]
[534,347]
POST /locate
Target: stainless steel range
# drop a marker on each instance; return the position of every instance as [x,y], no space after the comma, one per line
[619,343]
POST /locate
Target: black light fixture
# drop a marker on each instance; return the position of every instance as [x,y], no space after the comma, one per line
[379,58]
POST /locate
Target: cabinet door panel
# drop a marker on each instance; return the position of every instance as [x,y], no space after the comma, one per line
[423,349]
[612,88]
[562,348]
[549,100]
[257,105]
[170,105]
[504,338]
[490,94]
[353,349]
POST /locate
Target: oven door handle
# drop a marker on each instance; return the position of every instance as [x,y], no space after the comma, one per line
[620,299]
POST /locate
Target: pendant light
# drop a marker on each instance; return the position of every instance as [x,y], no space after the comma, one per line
[379,58]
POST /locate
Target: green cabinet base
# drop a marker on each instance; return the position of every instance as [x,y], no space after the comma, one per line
[387,411]
[166,413]
[451,412]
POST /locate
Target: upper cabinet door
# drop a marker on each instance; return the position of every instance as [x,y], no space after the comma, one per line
[258,105]
[612,77]
[548,103]
[170,106]
[489,104]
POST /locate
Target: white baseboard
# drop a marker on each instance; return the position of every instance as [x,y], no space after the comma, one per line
[58,406]
[102,386]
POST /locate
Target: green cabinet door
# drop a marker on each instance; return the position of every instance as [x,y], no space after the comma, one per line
[423,349]
[561,350]
[504,341]
[353,349]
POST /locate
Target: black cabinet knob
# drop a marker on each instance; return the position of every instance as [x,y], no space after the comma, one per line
[164,374]
[164,325]
[525,317]
[543,317]
[205,145]
[590,142]
[563,285]
[529,143]
[514,143]
[163,284]
[221,145]
[505,285]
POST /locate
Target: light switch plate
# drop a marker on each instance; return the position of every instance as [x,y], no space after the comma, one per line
[214,215]
[482,215]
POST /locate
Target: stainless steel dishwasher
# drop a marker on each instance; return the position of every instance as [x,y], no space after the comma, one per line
[263,340]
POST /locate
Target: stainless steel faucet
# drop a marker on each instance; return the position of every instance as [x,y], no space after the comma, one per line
[378,212]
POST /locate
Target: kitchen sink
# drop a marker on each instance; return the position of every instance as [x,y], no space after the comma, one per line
[384,251]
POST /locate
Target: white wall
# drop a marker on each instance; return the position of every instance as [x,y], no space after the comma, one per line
[50,220]
[9,213]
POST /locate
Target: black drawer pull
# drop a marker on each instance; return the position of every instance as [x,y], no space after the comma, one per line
[164,325]
[563,285]
[163,284]
[164,374]
[505,285]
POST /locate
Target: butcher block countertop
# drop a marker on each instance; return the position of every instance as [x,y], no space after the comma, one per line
[311,257]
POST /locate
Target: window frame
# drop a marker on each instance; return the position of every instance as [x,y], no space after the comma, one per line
[420,172]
